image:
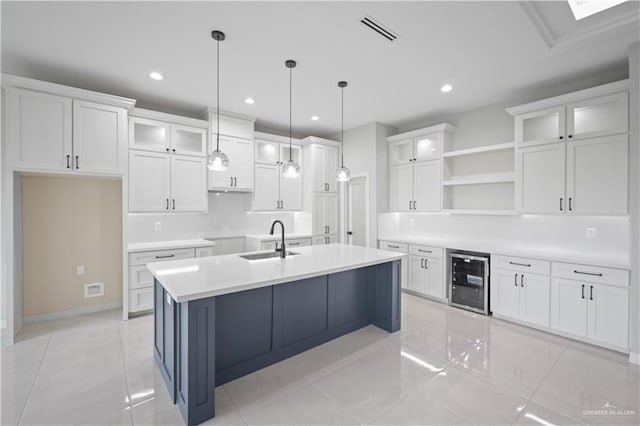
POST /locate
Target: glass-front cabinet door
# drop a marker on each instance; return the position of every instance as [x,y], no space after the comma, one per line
[428,147]
[539,127]
[600,116]
[401,152]
[266,152]
[294,153]
[149,135]
[188,140]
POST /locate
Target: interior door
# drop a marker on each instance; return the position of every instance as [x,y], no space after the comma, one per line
[608,318]
[99,137]
[357,217]
[426,186]
[149,181]
[266,193]
[534,299]
[505,293]
[401,187]
[541,179]
[568,306]
[188,183]
[597,175]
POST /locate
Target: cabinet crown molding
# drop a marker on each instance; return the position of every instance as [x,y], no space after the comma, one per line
[275,138]
[10,81]
[604,89]
[443,127]
[210,112]
[309,140]
[172,118]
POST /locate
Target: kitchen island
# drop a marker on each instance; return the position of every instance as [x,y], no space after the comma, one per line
[219,318]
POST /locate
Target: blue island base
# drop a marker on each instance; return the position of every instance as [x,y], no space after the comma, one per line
[204,343]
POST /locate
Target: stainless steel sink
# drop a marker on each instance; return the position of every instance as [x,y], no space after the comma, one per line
[265,255]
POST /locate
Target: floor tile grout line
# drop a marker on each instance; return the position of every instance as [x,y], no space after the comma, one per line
[340,407]
[235,406]
[35,378]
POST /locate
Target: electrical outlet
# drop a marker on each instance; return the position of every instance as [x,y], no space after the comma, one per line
[157,226]
[591,233]
[80,270]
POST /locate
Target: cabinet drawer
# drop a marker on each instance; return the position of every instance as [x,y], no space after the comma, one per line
[145,257]
[521,264]
[140,277]
[592,274]
[426,251]
[204,251]
[298,242]
[392,246]
[141,299]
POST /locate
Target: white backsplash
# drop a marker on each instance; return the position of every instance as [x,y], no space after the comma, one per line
[229,215]
[566,233]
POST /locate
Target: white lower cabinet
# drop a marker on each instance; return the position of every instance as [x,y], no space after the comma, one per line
[595,311]
[400,248]
[289,243]
[425,271]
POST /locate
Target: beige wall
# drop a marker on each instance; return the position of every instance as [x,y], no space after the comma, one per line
[66,222]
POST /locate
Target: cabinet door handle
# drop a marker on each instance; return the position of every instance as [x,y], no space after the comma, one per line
[165,257]
[515,280]
[414,204]
[396,247]
[409,204]
[326,240]
[583,291]
[528,265]
[588,273]
[424,251]
[522,280]
[174,203]
[590,292]
[68,158]
[421,263]
[569,136]
[561,137]
[235,182]
[167,204]
[231,183]
[561,204]
[426,264]
[77,162]
[570,207]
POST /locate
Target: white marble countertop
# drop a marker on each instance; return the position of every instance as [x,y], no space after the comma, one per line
[277,236]
[191,279]
[167,245]
[542,252]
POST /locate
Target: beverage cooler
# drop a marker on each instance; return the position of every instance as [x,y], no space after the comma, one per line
[469,281]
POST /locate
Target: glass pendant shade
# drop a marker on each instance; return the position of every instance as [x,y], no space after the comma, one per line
[343,174]
[291,169]
[217,161]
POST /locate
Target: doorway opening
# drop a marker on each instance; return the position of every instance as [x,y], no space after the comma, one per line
[358,211]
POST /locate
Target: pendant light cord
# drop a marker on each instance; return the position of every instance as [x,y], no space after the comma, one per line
[342,125]
[218,96]
[290,109]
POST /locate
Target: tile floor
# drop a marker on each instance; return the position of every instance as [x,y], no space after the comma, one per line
[446,366]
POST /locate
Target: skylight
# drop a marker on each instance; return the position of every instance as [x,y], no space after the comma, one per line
[583,8]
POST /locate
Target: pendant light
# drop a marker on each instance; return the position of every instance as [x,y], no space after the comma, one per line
[290,169]
[217,160]
[343,174]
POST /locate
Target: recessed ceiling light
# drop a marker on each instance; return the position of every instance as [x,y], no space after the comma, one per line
[446,88]
[315,118]
[583,8]
[250,101]
[156,75]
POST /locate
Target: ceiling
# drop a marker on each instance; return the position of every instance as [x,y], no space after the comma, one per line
[489,52]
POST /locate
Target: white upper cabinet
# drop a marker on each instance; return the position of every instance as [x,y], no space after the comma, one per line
[599,111]
[267,152]
[266,195]
[539,127]
[239,175]
[290,192]
[324,163]
[325,213]
[49,132]
[40,126]
[231,125]
[602,115]
[272,190]
[163,136]
[426,186]
[401,187]
[540,179]
[597,175]
[401,152]
[99,137]
[188,184]
[149,181]
[294,153]
[427,147]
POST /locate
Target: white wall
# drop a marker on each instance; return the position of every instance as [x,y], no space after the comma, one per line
[634,197]
[229,215]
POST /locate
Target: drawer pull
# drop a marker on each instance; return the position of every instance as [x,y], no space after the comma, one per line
[583,291]
[422,263]
[425,251]
[588,273]
[522,280]
[528,265]
[165,256]
[590,292]
[515,280]
[389,245]
[294,244]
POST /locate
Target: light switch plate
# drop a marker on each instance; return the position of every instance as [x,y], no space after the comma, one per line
[80,270]
[591,233]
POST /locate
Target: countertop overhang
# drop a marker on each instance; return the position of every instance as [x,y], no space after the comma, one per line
[192,279]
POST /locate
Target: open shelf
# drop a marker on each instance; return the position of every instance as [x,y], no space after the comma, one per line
[480,179]
[478,150]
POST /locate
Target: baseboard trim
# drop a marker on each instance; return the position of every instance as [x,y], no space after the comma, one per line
[634,358]
[71,312]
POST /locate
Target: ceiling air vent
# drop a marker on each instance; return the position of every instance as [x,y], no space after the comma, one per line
[379,28]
